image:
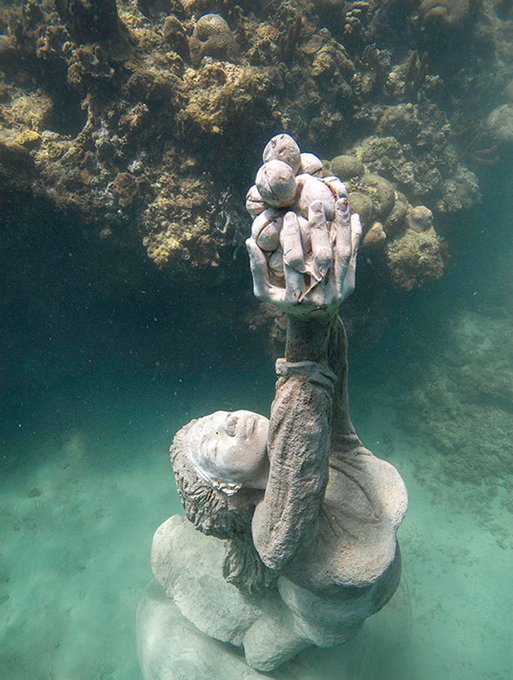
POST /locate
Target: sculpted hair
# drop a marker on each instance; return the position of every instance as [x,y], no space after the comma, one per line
[214,513]
[210,510]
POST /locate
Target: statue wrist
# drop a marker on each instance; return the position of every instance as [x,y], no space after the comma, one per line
[308,338]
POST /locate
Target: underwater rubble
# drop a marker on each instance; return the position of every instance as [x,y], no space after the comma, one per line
[140,122]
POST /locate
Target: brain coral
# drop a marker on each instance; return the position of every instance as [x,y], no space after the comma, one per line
[212,37]
[450,13]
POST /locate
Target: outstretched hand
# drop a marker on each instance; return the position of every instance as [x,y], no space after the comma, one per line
[313,270]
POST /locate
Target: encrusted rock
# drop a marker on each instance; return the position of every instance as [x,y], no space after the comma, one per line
[385,156]
[395,220]
[175,36]
[362,204]
[508,90]
[381,191]
[375,237]
[449,13]
[419,218]
[8,51]
[417,257]
[91,20]
[346,166]
[500,124]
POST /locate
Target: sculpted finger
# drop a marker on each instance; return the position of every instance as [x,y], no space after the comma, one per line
[356,234]
[263,289]
[343,246]
[293,258]
[259,271]
[294,285]
[322,253]
[305,238]
[350,278]
[290,238]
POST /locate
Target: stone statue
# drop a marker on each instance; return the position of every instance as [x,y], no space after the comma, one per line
[307,514]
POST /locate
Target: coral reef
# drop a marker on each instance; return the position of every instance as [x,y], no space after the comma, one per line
[131,118]
[416,257]
[91,20]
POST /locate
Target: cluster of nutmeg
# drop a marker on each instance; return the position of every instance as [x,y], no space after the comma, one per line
[288,181]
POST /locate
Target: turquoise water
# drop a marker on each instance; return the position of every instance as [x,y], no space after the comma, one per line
[91,402]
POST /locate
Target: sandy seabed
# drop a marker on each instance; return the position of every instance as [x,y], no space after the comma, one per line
[87,482]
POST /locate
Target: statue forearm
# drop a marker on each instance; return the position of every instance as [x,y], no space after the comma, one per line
[337,361]
[298,448]
[323,341]
[308,338]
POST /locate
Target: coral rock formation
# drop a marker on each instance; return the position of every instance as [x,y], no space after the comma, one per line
[450,13]
[211,37]
[416,257]
[132,118]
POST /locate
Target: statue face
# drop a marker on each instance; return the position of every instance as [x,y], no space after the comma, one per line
[230,448]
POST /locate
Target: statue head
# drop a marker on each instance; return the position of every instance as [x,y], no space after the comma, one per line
[229,450]
[221,467]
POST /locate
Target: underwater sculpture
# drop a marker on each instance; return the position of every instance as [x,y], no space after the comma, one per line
[308,515]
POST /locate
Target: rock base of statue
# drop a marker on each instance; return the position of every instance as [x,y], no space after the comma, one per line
[186,617]
[171,648]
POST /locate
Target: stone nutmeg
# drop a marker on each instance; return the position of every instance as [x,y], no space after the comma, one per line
[276,183]
[283,148]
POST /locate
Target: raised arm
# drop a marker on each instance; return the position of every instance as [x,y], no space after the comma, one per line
[307,277]
[298,449]
[343,437]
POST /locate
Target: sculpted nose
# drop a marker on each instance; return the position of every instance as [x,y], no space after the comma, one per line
[250,426]
[231,425]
